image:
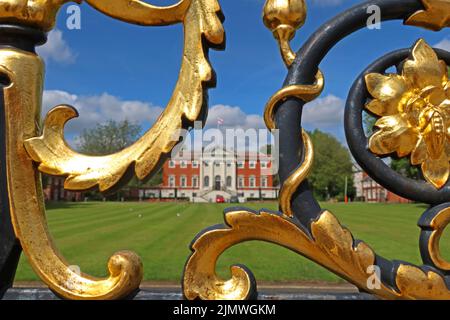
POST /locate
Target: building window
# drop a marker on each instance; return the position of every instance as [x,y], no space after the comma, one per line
[241,181]
[217,163]
[195,181]
[252,164]
[228,164]
[264,182]
[206,164]
[183,181]
[263,164]
[206,181]
[172,181]
[194,164]
[229,181]
[171,164]
[252,182]
[240,164]
[183,164]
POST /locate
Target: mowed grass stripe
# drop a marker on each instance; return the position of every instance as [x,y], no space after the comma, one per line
[94,221]
[91,212]
[108,229]
[142,239]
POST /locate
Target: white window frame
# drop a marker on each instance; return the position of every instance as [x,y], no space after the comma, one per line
[241,182]
[252,179]
[252,164]
[264,182]
[172,181]
[183,164]
[172,164]
[195,164]
[241,164]
[183,181]
[195,179]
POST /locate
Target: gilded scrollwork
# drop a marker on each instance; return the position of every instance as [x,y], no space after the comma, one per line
[83,172]
[329,244]
[22,111]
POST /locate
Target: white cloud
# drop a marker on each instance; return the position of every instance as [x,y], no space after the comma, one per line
[56,49]
[99,109]
[444,44]
[233,117]
[324,112]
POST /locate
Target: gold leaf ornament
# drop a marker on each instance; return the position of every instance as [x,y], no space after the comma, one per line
[414,111]
[435,16]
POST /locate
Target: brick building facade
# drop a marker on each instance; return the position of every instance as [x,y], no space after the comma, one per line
[368,190]
[53,188]
[203,177]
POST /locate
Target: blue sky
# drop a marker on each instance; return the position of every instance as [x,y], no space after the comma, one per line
[112,70]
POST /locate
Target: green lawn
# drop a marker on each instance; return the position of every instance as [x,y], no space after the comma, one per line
[88,233]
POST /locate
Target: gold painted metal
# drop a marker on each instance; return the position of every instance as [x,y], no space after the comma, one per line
[83,172]
[438,225]
[306,93]
[40,14]
[284,18]
[300,174]
[436,15]
[22,111]
[142,13]
[415,113]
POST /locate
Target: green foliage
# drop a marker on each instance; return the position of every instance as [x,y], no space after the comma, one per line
[404,167]
[332,165]
[109,137]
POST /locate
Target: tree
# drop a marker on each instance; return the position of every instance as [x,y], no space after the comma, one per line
[108,138]
[332,167]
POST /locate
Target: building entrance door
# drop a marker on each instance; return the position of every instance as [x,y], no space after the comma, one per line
[217,184]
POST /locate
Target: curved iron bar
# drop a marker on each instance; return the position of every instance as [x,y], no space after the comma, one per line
[303,71]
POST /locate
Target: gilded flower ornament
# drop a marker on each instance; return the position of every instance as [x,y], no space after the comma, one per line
[415,113]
